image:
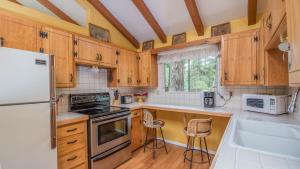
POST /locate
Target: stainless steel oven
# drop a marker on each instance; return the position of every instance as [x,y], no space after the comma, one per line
[109,131]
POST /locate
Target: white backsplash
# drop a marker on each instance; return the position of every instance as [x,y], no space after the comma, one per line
[196,98]
[89,80]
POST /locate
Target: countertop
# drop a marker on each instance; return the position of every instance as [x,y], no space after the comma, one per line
[70,117]
[227,156]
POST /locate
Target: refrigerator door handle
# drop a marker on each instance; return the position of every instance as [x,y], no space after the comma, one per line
[53,102]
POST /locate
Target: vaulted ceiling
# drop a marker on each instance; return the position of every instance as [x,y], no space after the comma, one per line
[152,19]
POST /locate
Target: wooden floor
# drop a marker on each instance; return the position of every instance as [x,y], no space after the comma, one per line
[172,160]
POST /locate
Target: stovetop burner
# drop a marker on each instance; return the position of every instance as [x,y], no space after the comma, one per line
[93,105]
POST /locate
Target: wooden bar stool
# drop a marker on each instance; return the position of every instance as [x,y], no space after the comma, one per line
[197,128]
[153,125]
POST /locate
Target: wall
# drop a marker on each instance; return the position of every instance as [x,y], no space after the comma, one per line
[89,80]
[237,25]
[92,16]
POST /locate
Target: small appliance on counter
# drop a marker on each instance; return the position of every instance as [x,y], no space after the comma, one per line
[209,99]
[263,103]
[126,99]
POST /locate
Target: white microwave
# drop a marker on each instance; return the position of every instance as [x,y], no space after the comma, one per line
[271,104]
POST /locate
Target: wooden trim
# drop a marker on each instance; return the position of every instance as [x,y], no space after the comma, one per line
[16,2]
[113,20]
[141,6]
[252,9]
[212,40]
[56,11]
[195,16]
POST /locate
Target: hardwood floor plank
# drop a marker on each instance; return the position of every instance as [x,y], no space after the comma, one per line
[172,160]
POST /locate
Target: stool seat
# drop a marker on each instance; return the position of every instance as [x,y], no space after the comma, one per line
[198,134]
[158,123]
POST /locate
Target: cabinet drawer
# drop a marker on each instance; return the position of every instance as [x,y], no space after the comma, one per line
[72,159]
[71,143]
[82,166]
[71,130]
[135,113]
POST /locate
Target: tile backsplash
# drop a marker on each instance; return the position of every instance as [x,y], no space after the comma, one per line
[89,80]
[196,98]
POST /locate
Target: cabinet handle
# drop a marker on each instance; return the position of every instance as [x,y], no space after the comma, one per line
[97,57]
[148,80]
[71,130]
[1,41]
[72,142]
[72,158]
[226,78]
[269,22]
[100,57]
[71,77]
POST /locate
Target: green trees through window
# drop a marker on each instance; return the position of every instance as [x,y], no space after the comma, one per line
[191,75]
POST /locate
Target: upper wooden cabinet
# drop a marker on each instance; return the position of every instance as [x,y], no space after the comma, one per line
[148,69]
[293,27]
[59,44]
[239,56]
[273,16]
[19,33]
[133,68]
[94,53]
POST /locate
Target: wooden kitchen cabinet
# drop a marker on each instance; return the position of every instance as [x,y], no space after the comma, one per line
[273,16]
[123,67]
[59,43]
[72,145]
[86,51]
[133,68]
[19,33]
[239,57]
[293,27]
[148,70]
[107,56]
[137,129]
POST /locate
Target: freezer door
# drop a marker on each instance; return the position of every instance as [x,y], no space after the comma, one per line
[25,137]
[25,76]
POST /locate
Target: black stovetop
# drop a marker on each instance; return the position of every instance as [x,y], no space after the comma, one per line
[93,105]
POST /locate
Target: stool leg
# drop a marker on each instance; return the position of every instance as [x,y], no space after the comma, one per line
[146,139]
[155,137]
[153,148]
[162,135]
[187,147]
[207,151]
[201,148]
[192,156]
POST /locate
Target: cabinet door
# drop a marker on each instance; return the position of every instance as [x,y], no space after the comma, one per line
[136,130]
[59,44]
[123,67]
[133,68]
[293,25]
[239,53]
[274,15]
[86,51]
[106,55]
[261,59]
[144,68]
[20,34]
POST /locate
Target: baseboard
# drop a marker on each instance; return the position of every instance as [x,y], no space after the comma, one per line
[184,145]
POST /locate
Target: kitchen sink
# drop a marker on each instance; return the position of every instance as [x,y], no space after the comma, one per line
[267,137]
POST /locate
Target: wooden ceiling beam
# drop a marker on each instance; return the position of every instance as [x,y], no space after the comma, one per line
[114,21]
[142,7]
[252,9]
[57,11]
[195,16]
[15,1]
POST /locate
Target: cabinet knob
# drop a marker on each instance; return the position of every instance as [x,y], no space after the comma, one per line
[71,77]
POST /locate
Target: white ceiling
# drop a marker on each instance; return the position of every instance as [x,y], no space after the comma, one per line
[69,7]
[172,15]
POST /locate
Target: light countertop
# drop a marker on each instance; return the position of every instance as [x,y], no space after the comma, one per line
[227,156]
[70,117]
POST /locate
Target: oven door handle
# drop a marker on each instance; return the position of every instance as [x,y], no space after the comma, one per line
[102,121]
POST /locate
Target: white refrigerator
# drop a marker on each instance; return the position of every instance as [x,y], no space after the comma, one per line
[27,110]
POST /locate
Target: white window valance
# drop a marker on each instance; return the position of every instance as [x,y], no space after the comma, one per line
[196,52]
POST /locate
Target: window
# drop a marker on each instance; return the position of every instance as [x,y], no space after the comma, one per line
[191,74]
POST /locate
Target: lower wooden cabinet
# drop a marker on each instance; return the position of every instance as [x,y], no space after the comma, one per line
[72,146]
[137,129]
